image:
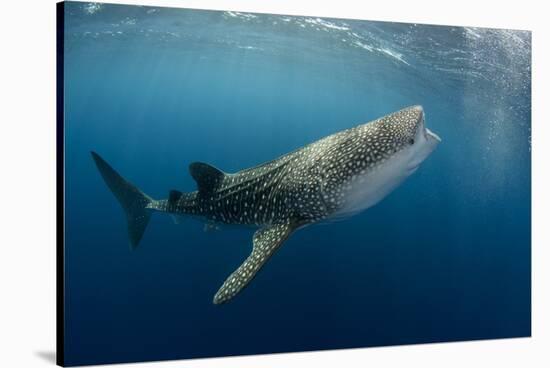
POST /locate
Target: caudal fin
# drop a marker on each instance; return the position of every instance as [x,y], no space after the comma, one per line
[133,201]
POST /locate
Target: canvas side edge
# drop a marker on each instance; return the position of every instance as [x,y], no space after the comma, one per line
[60,187]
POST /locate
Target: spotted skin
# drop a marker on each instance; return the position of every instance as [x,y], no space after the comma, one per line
[332,178]
[265,242]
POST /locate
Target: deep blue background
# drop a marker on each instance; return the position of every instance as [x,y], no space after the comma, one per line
[445,257]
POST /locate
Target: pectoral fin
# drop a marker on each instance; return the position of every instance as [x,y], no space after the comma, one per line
[265,242]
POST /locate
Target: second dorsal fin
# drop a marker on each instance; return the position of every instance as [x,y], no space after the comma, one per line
[174,196]
[208,177]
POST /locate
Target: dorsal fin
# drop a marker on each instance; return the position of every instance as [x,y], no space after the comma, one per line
[208,177]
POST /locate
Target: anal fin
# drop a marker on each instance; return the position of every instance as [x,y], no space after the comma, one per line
[265,242]
[210,226]
[176,219]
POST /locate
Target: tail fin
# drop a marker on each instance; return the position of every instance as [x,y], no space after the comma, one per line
[133,201]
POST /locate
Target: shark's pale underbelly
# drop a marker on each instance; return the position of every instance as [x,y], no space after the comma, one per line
[364,191]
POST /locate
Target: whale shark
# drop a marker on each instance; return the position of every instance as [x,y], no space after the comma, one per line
[333,178]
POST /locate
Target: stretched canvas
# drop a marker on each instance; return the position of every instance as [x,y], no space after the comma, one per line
[233,183]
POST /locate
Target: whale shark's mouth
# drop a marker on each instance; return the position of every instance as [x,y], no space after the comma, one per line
[432,135]
[428,134]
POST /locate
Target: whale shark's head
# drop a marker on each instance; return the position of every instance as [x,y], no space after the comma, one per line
[400,138]
[374,158]
[404,135]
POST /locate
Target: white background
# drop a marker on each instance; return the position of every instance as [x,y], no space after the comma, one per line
[27,182]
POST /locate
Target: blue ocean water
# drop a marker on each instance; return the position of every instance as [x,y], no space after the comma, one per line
[445,257]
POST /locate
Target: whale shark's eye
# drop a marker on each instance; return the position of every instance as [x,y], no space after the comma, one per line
[411,141]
